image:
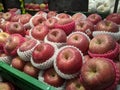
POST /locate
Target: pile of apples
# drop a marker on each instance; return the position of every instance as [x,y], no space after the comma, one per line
[68,52]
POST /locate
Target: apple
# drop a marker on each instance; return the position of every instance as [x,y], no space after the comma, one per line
[38,19]
[39,32]
[42,52]
[18,63]
[86,58]
[79,40]
[30,70]
[27,45]
[52,78]
[57,35]
[36,7]
[74,84]
[101,44]
[78,16]
[114,17]
[94,18]
[85,26]
[15,18]
[6,86]
[4,24]
[99,74]
[42,6]
[63,16]
[118,66]
[3,37]
[12,44]
[16,27]
[50,22]
[69,60]
[51,14]
[107,26]
[25,18]
[7,16]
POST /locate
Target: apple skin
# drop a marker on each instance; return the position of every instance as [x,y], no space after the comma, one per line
[78,40]
[69,60]
[42,52]
[64,21]
[57,35]
[3,37]
[118,66]
[25,18]
[106,25]
[85,26]
[50,23]
[3,25]
[62,16]
[27,45]
[16,28]
[30,70]
[51,14]
[102,44]
[39,32]
[38,19]
[94,18]
[74,84]
[86,58]
[97,74]
[114,17]
[15,18]
[12,44]
[6,86]
[7,16]
[51,77]
[18,63]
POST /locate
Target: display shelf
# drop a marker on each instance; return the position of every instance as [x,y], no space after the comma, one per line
[22,80]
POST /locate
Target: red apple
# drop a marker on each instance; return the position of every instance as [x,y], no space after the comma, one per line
[86,58]
[18,63]
[101,44]
[51,14]
[7,16]
[94,18]
[36,7]
[57,35]
[6,86]
[25,18]
[39,32]
[118,66]
[78,16]
[69,60]
[79,40]
[62,16]
[107,26]
[114,17]
[51,77]
[50,22]
[3,37]
[4,24]
[15,18]
[64,21]
[30,70]
[74,84]
[85,26]
[16,27]
[98,74]
[27,45]
[12,44]
[38,19]
[42,52]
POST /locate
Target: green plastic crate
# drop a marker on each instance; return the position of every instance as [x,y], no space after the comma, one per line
[22,80]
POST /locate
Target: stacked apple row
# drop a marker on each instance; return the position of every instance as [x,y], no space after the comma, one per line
[68,52]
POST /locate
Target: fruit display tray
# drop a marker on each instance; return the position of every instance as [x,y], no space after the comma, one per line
[22,80]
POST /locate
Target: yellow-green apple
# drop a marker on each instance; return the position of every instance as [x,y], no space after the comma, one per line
[39,32]
[52,78]
[101,44]
[30,70]
[57,35]
[106,25]
[51,14]
[114,17]
[85,26]
[69,60]
[79,40]
[98,74]
[16,27]
[42,52]
[94,18]
[74,84]
[18,63]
